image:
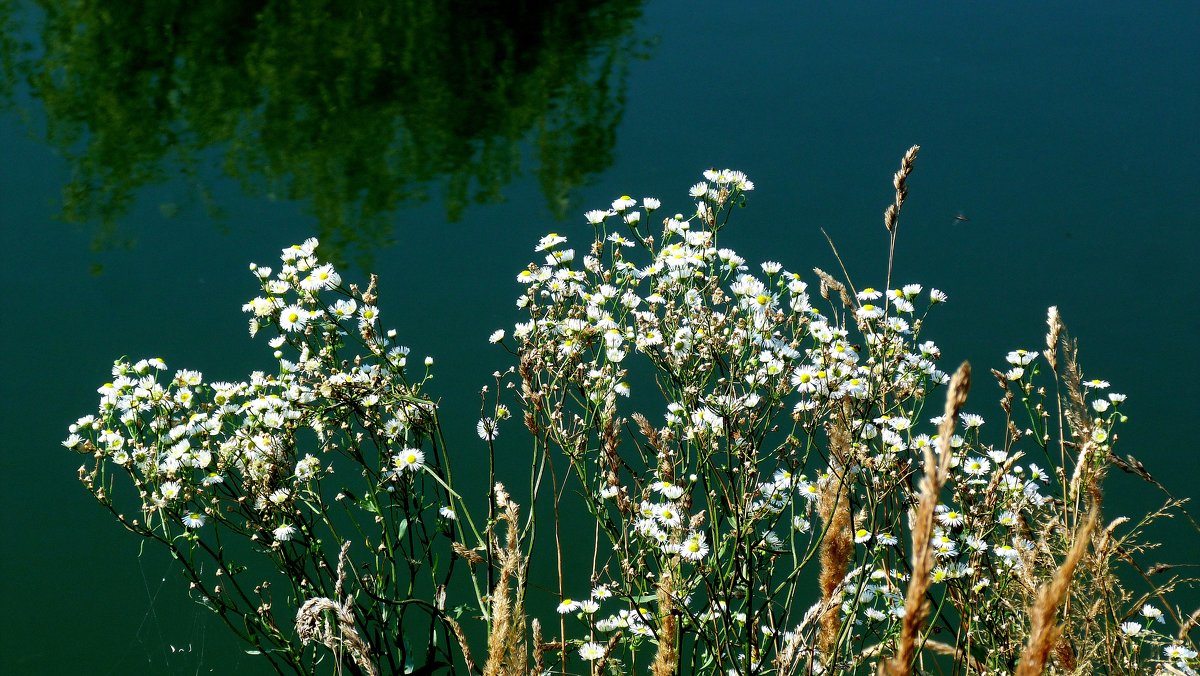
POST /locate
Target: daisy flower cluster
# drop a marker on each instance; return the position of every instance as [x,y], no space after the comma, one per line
[748,371]
[758,452]
[781,427]
[255,457]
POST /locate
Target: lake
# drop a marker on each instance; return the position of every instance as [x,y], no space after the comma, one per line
[153,150]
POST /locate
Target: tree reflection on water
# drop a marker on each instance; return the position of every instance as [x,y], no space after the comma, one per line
[353,108]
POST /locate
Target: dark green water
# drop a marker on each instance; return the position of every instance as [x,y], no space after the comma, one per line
[145,167]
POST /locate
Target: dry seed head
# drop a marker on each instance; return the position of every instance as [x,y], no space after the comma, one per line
[1055,327]
[1044,633]
[899,181]
[915,605]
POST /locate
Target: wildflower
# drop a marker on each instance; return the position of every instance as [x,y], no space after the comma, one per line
[487,429]
[261,307]
[1020,357]
[868,311]
[448,513]
[1151,613]
[977,466]
[623,202]
[410,460]
[949,517]
[804,379]
[1038,473]
[809,491]
[596,216]
[602,592]
[588,606]
[367,315]
[323,277]
[862,535]
[694,547]
[567,606]
[937,296]
[782,479]
[193,519]
[496,337]
[343,308]
[591,651]
[944,546]
[971,420]
[668,490]
[1095,384]
[307,467]
[284,532]
[1131,628]
[1178,652]
[551,240]
[170,490]
[293,318]
[1007,553]
[667,515]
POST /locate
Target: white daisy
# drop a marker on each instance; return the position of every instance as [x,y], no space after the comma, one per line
[694,547]
[1131,628]
[486,429]
[591,651]
[410,460]
[293,318]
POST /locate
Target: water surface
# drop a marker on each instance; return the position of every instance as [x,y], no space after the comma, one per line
[434,144]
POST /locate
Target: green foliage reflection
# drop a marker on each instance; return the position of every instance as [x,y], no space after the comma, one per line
[351,107]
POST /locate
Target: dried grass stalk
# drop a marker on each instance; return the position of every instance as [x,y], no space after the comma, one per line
[1044,632]
[829,282]
[313,625]
[461,637]
[1054,328]
[506,641]
[900,182]
[837,546]
[667,657]
[539,652]
[915,605]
